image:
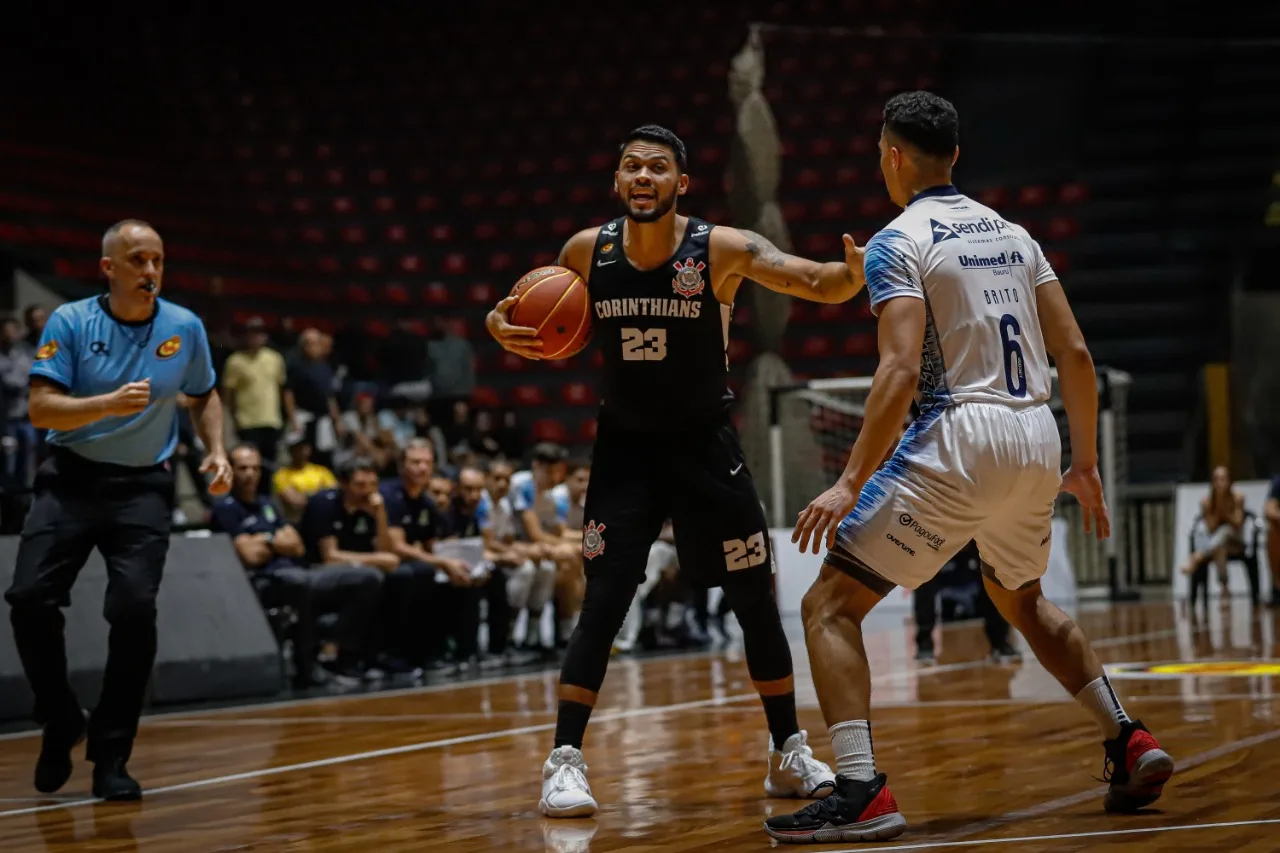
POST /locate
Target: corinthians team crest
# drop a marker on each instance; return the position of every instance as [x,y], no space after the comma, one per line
[688,281]
[592,540]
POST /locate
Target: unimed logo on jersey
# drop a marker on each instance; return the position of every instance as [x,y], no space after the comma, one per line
[986,226]
[1004,259]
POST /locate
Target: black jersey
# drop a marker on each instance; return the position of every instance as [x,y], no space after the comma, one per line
[662,332]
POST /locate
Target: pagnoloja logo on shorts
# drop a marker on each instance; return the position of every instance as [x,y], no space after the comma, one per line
[933,540]
[592,540]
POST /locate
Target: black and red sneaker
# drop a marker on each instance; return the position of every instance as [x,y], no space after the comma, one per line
[854,811]
[1136,767]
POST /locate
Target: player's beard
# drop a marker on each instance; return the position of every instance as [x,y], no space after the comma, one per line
[661,207]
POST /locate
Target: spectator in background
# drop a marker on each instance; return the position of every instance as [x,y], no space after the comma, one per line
[1271,514]
[468,518]
[19,436]
[441,491]
[253,383]
[572,493]
[458,429]
[414,524]
[35,316]
[530,580]
[272,551]
[367,434]
[406,365]
[300,478]
[347,526]
[453,370]
[314,383]
[510,436]
[543,518]
[424,427]
[484,435]
[1218,534]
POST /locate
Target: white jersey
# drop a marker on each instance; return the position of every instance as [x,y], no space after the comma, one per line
[977,274]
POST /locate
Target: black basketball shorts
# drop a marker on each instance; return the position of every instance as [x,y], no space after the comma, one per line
[698,479]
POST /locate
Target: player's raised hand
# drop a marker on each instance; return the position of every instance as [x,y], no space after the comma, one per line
[130,398]
[821,518]
[1086,485]
[521,340]
[853,259]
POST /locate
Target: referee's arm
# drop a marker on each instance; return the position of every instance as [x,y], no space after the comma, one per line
[200,385]
[53,375]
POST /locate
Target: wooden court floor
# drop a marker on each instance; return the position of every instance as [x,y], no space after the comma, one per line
[980,757]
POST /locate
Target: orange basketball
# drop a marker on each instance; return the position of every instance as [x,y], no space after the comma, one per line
[554,301]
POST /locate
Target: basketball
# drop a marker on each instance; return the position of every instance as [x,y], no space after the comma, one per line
[554,301]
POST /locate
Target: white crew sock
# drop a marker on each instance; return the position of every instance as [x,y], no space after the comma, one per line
[852,743]
[1100,700]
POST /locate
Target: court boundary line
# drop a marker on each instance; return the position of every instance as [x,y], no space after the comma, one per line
[423,746]
[1146,830]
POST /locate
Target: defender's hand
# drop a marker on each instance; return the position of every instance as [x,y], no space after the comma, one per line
[823,516]
[521,340]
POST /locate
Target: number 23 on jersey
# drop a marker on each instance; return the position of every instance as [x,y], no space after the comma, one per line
[644,344]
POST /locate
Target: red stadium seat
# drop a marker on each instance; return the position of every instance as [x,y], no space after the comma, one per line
[859,344]
[822,243]
[597,358]
[396,234]
[542,195]
[587,431]
[358,293]
[1058,260]
[509,362]
[441,232]
[293,176]
[486,231]
[563,226]
[485,397]
[396,293]
[526,229]
[862,145]
[377,328]
[832,312]
[528,395]
[833,208]
[507,198]
[436,293]
[1062,227]
[412,264]
[996,197]
[809,178]
[582,194]
[794,211]
[342,204]
[334,176]
[482,293]
[472,199]
[384,204]
[578,394]
[542,259]
[378,177]
[301,205]
[816,346]
[368,263]
[353,234]
[549,429]
[313,235]
[330,265]
[428,203]
[847,176]
[1033,196]
[739,350]
[455,263]
[1073,193]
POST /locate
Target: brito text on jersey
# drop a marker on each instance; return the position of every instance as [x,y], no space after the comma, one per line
[662,332]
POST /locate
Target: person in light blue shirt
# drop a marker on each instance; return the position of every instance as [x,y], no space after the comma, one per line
[105,384]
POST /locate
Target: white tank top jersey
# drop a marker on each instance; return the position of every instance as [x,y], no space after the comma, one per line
[977,274]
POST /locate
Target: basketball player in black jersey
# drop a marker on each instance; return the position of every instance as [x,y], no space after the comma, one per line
[661,287]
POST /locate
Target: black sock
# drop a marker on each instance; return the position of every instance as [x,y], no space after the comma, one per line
[571,723]
[780,712]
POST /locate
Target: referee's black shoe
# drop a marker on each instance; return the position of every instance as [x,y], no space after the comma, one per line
[111,781]
[53,768]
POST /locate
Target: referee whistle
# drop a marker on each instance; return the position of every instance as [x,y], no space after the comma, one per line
[150,287]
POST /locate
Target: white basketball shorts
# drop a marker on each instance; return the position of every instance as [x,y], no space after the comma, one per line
[979,471]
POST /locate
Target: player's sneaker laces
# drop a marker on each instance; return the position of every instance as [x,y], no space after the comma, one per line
[1136,767]
[794,772]
[565,792]
[855,811]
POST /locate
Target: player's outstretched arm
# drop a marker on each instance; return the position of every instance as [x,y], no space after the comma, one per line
[1078,384]
[749,255]
[901,337]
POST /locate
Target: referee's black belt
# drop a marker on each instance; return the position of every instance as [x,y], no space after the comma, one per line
[68,469]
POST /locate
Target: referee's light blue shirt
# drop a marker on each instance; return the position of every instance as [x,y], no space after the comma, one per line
[88,352]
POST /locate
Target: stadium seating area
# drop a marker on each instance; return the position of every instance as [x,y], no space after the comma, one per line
[421,165]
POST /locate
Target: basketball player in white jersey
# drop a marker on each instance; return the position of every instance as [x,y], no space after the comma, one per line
[969,311]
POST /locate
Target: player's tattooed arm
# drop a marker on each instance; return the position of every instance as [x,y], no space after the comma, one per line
[751,255]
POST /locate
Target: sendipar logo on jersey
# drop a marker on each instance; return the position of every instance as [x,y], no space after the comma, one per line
[986,226]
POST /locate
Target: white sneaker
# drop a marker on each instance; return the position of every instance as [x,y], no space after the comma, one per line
[565,792]
[795,773]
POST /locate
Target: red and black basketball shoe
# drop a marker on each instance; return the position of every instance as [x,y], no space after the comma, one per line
[854,811]
[1136,767]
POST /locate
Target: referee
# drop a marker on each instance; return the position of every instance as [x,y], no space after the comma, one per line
[105,384]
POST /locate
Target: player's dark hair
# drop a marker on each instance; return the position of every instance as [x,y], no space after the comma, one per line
[109,236]
[244,445]
[576,464]
[659,134]
[549,452]
[351,467]
[928,121]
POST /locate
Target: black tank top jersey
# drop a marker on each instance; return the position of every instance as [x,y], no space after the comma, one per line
[662,333]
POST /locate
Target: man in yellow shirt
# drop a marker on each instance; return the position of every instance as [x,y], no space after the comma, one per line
[300,478]
[253,382]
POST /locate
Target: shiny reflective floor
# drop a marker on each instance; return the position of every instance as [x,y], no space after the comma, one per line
[980,757]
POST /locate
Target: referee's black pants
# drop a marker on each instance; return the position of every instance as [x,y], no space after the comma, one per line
[126,514]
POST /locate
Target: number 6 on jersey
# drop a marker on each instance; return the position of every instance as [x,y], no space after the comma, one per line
[644,344]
